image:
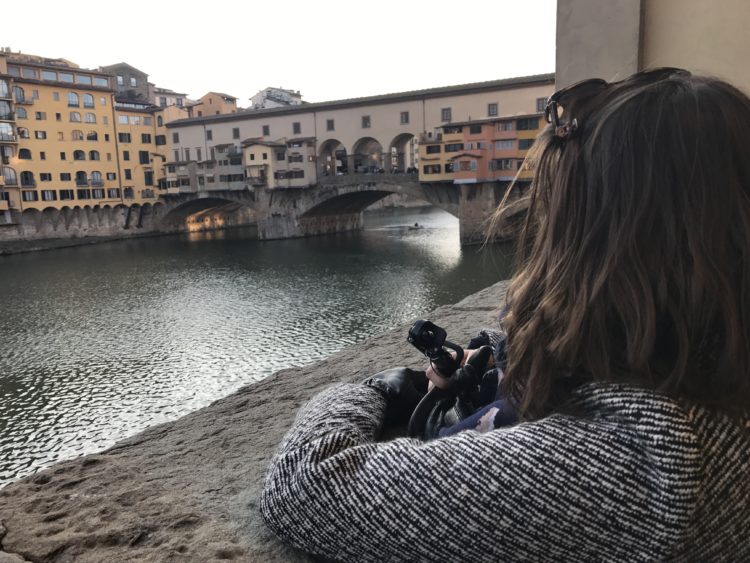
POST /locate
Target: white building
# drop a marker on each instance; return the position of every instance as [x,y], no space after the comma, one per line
[276,98]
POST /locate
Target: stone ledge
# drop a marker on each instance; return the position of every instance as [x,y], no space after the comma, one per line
[188,490]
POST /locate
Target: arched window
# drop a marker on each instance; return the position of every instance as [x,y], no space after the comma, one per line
[88,101]
[21,113]
[90,117]
[81,179]
[93,155]
[24,154]
[27,179]
[18,94]
[159,121]
[5,110]
[23,132]
[75,117]
[73,100]
[79,155]
[3,88]
[92,136]
[10,176]
[96,178]
[77,135]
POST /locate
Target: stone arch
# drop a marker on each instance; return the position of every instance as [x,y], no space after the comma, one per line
[31,220]
[66,216]
[50,220]
[402,153]
[332,158]
[367,155]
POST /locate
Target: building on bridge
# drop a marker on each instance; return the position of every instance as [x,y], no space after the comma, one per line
[371,135]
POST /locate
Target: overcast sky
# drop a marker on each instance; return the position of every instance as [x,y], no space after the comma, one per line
[328,50]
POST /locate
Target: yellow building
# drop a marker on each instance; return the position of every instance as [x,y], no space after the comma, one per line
[213,103]
[436,152]
[141,167]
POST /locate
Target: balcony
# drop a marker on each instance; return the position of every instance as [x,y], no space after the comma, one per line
[7,138]
[8,116]
[25,102]
[28,183]
[436,138]
[96,183]
[256,181]
[82,183]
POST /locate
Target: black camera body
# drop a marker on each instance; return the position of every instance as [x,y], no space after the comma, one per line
[430,339]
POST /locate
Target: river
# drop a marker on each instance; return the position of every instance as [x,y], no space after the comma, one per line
[99,342]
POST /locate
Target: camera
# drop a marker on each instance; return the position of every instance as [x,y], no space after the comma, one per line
[430,339]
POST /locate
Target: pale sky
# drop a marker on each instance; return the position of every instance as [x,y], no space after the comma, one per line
[328,50]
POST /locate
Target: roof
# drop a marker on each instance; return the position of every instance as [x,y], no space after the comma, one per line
[221,95]
[494,119]
[460,89]
[251,142]
[109,68]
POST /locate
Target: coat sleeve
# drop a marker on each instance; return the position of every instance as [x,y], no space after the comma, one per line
[534,491]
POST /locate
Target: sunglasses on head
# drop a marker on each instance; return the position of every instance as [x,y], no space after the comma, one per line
[554,111]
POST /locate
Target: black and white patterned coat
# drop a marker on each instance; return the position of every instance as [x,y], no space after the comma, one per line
[633,476]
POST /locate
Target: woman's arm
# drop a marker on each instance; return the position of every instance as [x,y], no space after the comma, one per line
[548,490]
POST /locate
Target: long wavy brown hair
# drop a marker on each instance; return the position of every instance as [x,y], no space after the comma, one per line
[635,253]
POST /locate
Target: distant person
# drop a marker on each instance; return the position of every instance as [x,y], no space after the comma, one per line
[628,363]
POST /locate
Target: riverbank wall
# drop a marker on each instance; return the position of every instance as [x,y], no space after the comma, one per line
[188,490]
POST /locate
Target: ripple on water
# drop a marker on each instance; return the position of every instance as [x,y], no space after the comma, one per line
[101,342]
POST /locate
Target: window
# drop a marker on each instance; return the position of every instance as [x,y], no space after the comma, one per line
[176,153]
[133,82]
[65,77]
[135,120]
[541,104]
[128,174]
[102,101]
[433,149]
[209,135]
[454,147]
[296,128]
[187,154]
[83,79]
[40,115]
[504,145]
[109,157]
[58,116]
[525,144]
[122,119]
[73,100]
[23,133]
[24,154]
[148,178]
[88,101]
[431,169]
[105,120]
[21,113]
[79,155]
[265,156]
[329,125]
[198,154]
[127,193]
[501,164]
[75,117]
[96,179]
[126,155]
[145,138]
[62,156]
[123,137]
[65,176]
[42,155]
[55,96]
[93,155]
[162,101]
[30,196]
[527,124]
[175,137]
[445,114]
[76,135]
[40,134]
[159,121]
[449,167]
[45,177]
[366,122]
[178,101]
[66,194]
[404,117]
[28,72]
[161,140]
[90,117]
[266,130]
[27,179]
[92,136]
[505,126]
[111,176]
[235,133]
[83,194]
[49,195]
[120,80]
[252,156]
[49,75]
[475,129]
[492,110]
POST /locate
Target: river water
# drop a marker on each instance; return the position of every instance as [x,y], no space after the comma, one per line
[99,342]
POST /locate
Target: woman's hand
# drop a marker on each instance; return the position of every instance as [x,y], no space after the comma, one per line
[437,380]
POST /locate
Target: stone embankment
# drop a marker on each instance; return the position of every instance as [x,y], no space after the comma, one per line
[188,490]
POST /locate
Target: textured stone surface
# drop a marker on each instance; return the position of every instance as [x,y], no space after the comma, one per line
[187,490]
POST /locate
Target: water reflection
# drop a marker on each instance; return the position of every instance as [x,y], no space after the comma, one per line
[99,342]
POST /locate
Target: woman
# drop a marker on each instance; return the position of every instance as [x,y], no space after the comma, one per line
[628,358]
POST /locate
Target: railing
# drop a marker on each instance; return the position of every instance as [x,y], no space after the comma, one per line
[96,183]
[8,137]
[25,102]
[28,183]
[8,116]
[436,138]
[256,181]
[82,183]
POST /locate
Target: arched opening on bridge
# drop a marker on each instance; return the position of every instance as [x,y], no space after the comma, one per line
[206,214]
[367,156]
[403,154]
[333,161]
